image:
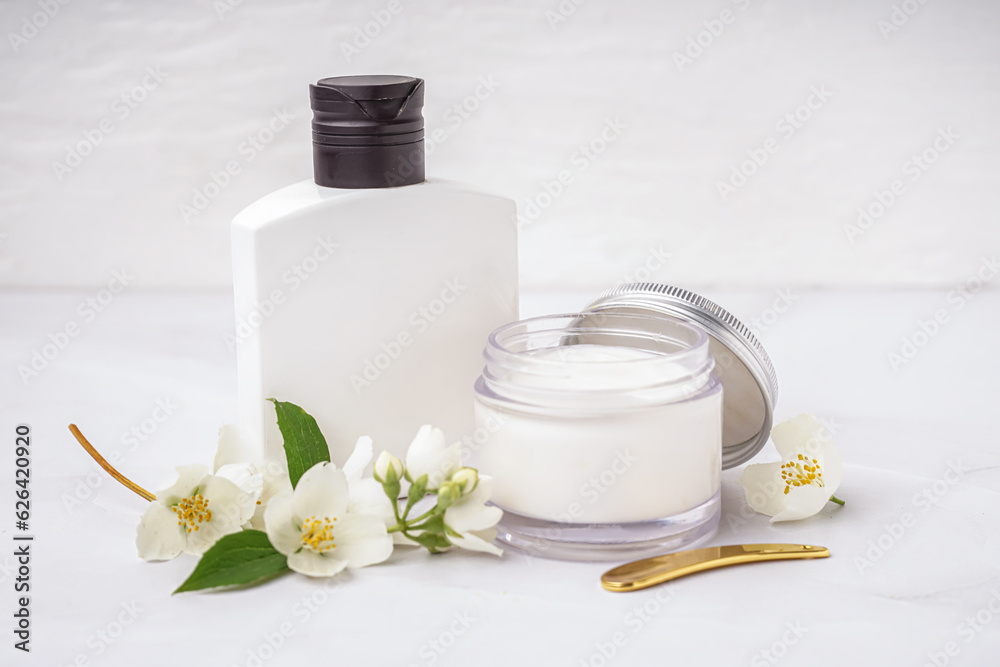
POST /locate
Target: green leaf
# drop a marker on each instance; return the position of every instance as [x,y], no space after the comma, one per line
[241,558]
[391,488]
[434,524]
[432,533]
[431,541]
[305,445]
[416,493]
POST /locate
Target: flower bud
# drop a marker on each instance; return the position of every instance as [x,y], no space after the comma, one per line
[447,494]
[467,479]
[388,468]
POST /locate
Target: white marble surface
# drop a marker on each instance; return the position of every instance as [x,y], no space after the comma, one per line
[907,603]
[554,87]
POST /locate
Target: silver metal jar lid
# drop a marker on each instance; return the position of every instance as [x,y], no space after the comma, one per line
[750,386]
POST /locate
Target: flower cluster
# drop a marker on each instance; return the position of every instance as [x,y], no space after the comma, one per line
[329,518]
[337,518]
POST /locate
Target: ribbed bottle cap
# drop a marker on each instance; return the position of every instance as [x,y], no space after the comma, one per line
[368,131]
[750,385]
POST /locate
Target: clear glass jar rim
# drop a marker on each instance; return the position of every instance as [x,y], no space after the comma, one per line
[701,337]
[689,362]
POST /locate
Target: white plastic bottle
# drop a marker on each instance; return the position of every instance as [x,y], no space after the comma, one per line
[366,296]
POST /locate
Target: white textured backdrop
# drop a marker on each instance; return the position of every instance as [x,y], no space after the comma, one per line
[115,116]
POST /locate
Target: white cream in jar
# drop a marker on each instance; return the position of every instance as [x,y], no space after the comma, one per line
[605,433]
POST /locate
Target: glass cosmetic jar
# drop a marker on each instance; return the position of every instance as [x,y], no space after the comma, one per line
[607,430]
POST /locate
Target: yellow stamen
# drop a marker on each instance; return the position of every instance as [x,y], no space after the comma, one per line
[192,511]
[796,473]
[317,534]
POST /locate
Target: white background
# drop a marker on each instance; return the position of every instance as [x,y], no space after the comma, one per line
[559,81]
[914,550]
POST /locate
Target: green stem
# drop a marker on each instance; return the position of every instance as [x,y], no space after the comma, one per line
[423,516]
[835,499]
[410,524]
[422,526]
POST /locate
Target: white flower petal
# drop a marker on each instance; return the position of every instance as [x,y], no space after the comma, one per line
[471,512]
[800,435]
[188,478]
[275,484]
[285,535]
[802,502]
[764,488]
[361,540]
[368,497]
[245,476]
[321,491]
[208,533]
[478,541]
[232,448]
[313,564]
[230,505]
[833,469]
[158,536]
[430,454]
[359,458]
